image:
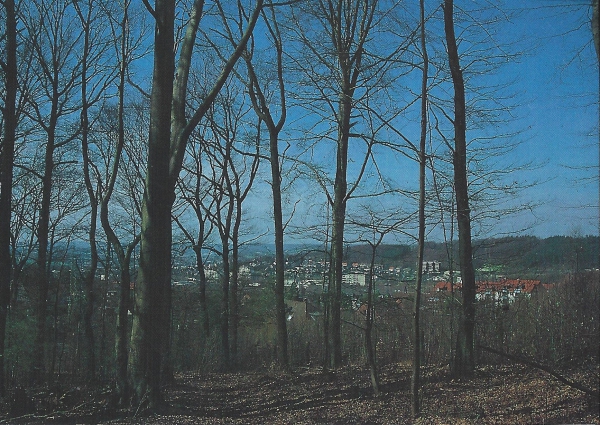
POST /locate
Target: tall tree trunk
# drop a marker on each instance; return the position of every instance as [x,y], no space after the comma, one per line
[337,240]
[6,173]
[464,361]
[233,288]
[369,326]
[123,309]
[90,276]
[150,331]
[261,108]
[350,26]
[280,315]
[416,372]
[168,137]
[42,254]
[225,360]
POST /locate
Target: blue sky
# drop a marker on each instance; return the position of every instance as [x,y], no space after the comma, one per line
[559,79]
[555,110]
[555,82]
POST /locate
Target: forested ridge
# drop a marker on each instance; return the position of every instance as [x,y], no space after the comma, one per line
[298,212]
[519,256]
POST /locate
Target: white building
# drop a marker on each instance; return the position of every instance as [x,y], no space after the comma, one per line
[356,279]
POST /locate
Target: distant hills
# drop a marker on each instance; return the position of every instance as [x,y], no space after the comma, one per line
[526,257]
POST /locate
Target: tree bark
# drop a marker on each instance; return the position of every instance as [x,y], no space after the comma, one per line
[90,276]
[150,331]
[225,360]
[233,301]
[280,314]
[6,173]
[168,137]
[416,367]
[369,326]
[204,319]
[42,253]
[464,361]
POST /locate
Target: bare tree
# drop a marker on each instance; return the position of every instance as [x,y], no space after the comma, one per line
[194,190]
[416,372]
[233,173]
[121,151]
[7,154]
[375,224]
[93,86]
[54,41]
[263,106]
[169,132]
[345,29]
[464,361]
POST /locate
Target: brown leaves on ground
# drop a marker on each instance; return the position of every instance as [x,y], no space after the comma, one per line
[506,394]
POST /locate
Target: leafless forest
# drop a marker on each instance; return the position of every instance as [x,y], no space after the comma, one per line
[291,212]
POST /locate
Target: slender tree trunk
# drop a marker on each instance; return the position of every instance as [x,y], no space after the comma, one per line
[464,361]
[123,257]
[150,331]
[233,288]
[42,254]
[225,360]
[416,372]
[6,174]
[202,283]
[121,338]
[90,355]
[337,252]
[369,327]
[339,220]
[350,26]
[261,108]
[280,316]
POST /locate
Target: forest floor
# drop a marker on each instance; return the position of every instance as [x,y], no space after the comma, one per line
[499,394]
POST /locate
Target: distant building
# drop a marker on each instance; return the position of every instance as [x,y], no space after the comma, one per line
[356,279]
[508,289]
[431,267]
[504,290]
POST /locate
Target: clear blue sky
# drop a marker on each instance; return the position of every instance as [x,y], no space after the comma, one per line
[559,80]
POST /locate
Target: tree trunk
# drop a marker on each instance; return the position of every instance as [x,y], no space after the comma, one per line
[280,315]
[225,360]
[121,338]
[261,108]
[233,288]
[88,284]
[204,319]
[150,331]
[369,327]
[337,253]
[7,153]
[42,254]
[350,26]
[168,136]
[464,361]
[417,354]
